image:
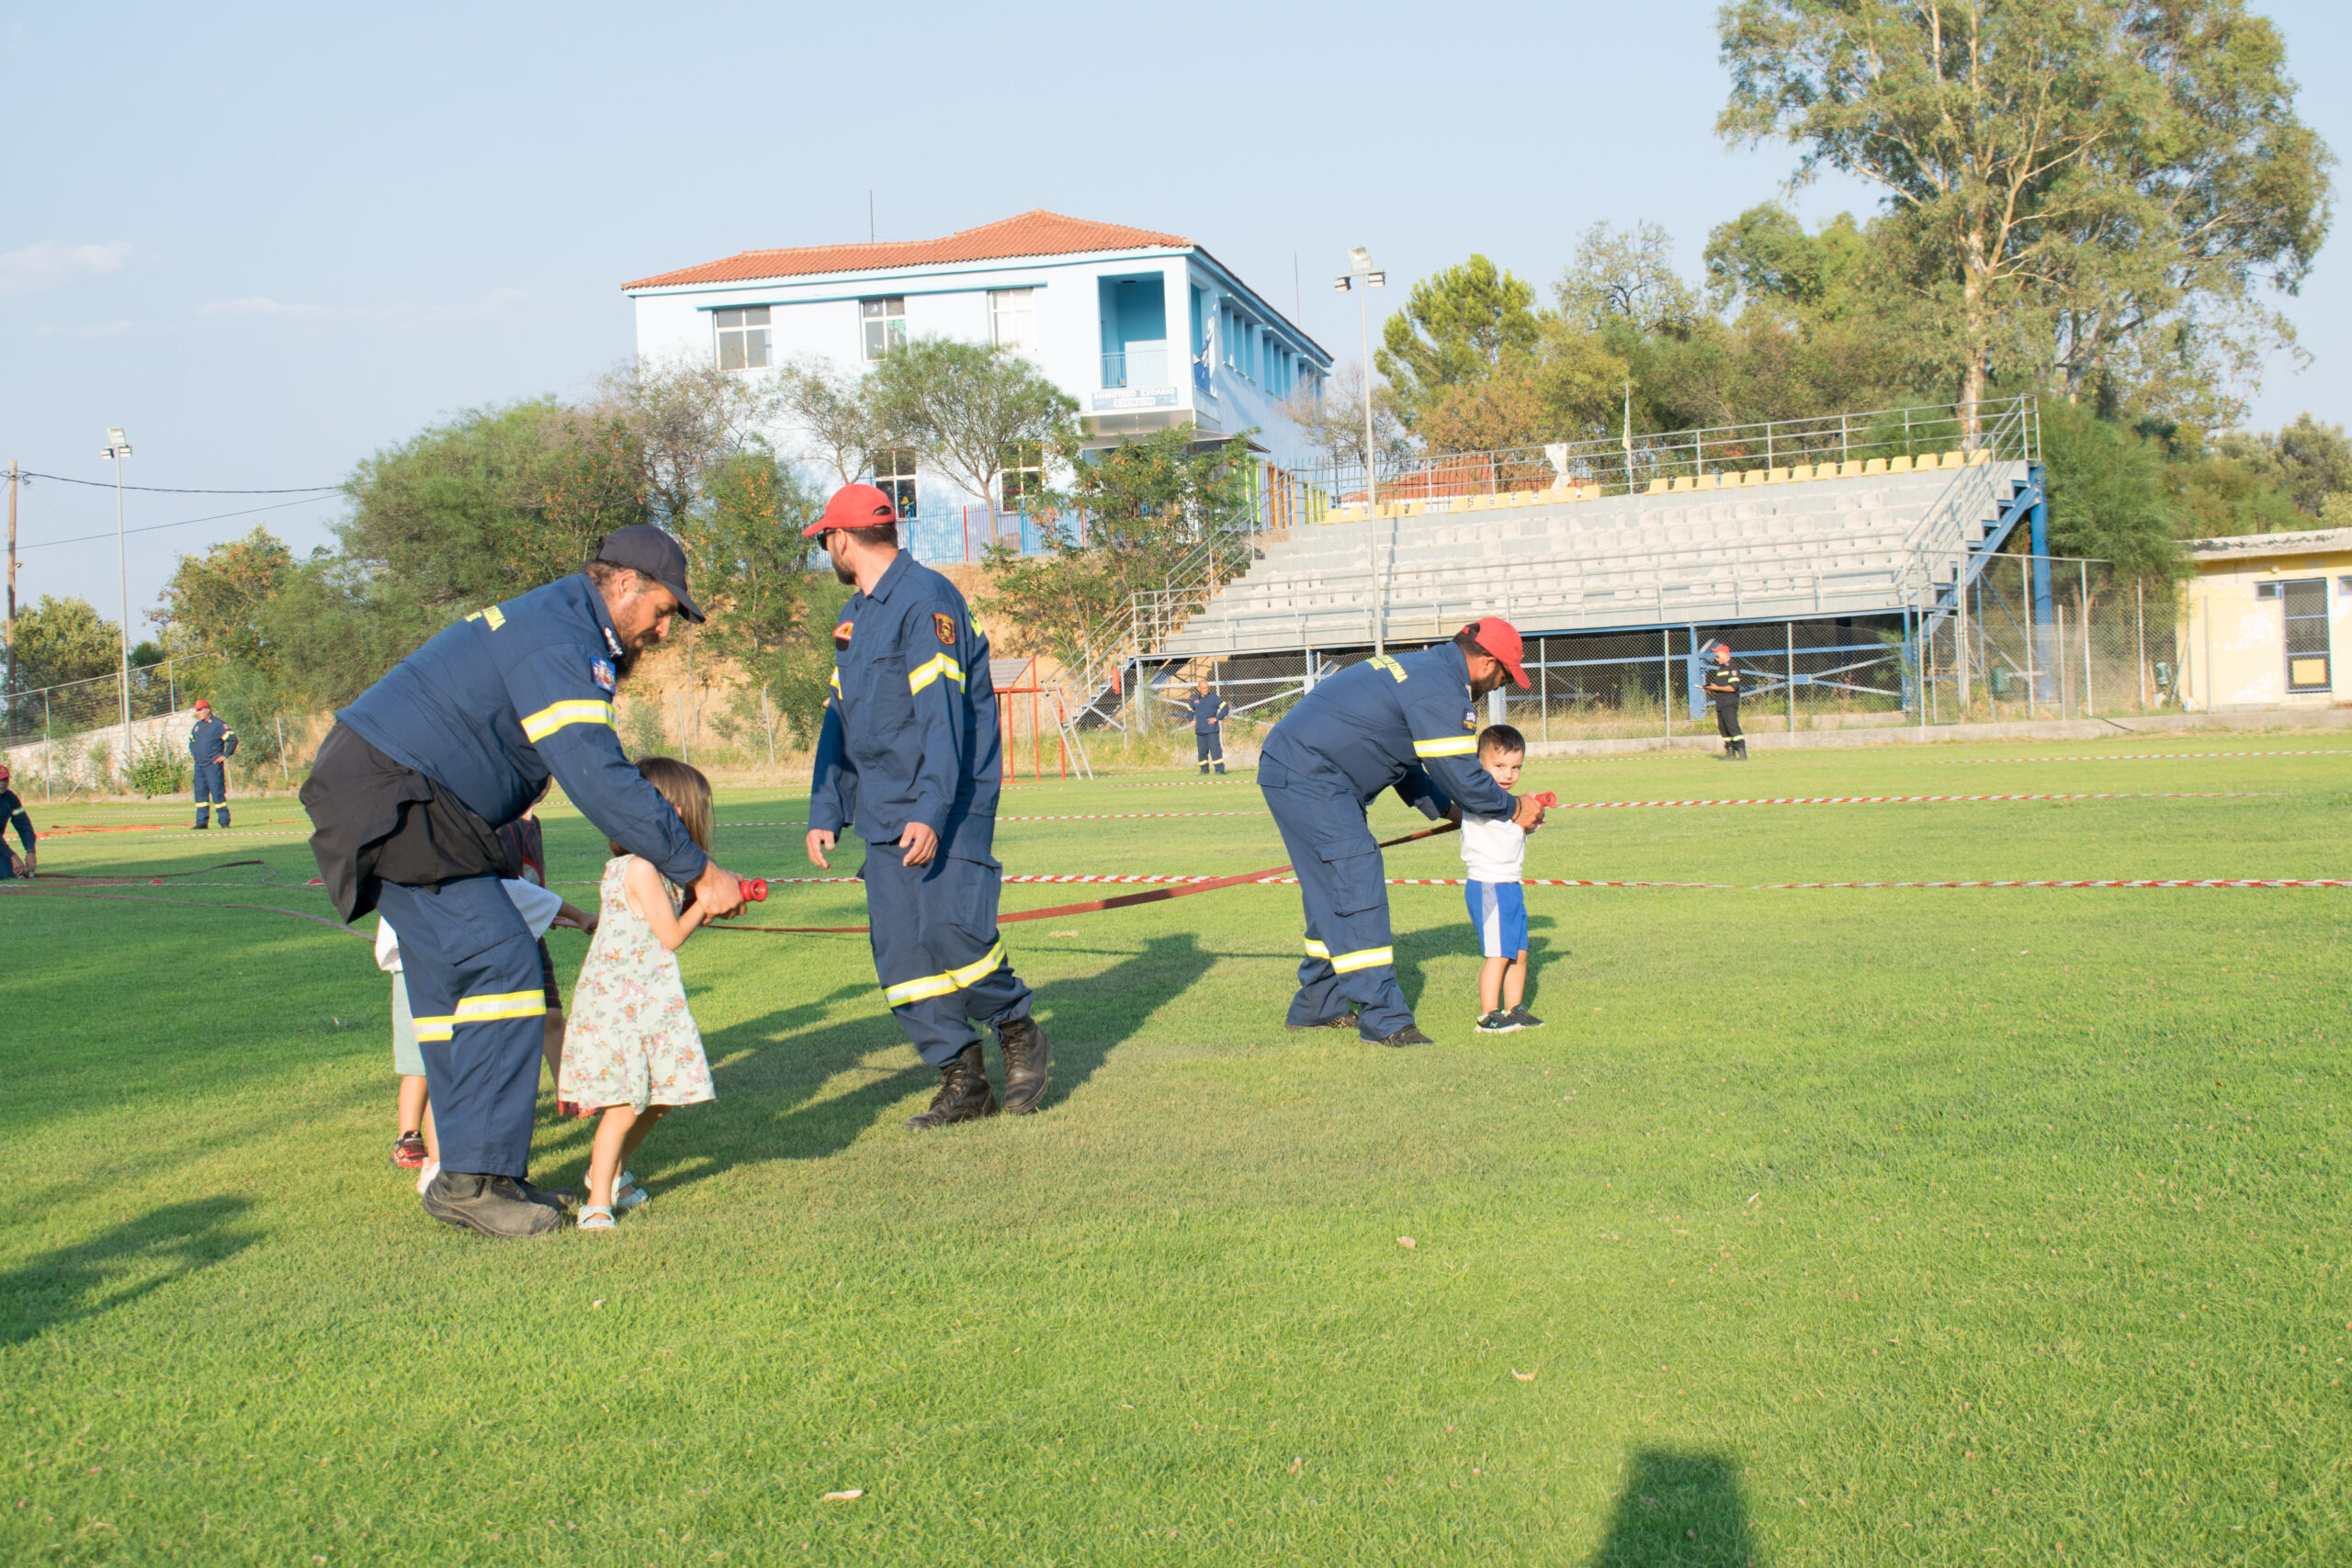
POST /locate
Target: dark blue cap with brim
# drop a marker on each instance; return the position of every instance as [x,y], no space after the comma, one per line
[653,553]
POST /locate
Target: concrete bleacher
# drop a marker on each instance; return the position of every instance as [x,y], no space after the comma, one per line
[1777,544]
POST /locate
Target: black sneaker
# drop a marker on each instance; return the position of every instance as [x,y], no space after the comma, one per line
[1522,1019]
[1498,1022]
[1341,1021]
[488,1205]
[1408,1035]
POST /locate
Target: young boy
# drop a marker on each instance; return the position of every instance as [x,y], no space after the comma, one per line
[1494,850]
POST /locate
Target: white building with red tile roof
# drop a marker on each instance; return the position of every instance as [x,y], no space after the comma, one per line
[1145,329]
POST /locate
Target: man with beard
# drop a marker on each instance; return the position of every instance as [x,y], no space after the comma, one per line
[1410,723]
[909,754]
[407,795]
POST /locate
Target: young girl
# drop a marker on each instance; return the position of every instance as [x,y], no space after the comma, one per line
[631,1048]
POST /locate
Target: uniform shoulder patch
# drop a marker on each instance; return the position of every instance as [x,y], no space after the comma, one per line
[1469,718]
[601,672]
[943,624]
[840,634]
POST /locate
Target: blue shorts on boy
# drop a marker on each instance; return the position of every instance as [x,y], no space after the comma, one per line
[1494,854]
[1499,912]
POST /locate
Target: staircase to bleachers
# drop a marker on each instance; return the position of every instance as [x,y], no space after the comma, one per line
[1854,538]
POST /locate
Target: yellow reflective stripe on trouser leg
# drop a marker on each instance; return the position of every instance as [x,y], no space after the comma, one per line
[1317,950]
[1367,958]
[433,1028]
[532,1003]
[1449,746]
[929,986]
[931,670]
[555,715]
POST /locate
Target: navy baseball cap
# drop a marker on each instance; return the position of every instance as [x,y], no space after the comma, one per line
[648,550]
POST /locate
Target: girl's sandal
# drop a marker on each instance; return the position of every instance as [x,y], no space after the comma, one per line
[596,1217]
[626,1193]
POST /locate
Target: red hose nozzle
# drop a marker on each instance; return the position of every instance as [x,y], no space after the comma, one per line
[1547,799]
[755,888]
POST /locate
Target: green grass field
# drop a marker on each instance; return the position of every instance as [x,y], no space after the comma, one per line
[1819,1226]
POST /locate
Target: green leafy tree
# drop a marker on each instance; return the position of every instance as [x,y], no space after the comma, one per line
[214,601]
[966,407]
[61,640]
[1626,279]
[1151,504]
[1459,326]
[2088,188]
[2110,497]
[832,410]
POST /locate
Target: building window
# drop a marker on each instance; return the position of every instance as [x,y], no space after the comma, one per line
[2344,586]
[2268,590]
[894,476]
[1024,474]
[1012,321]
[742,338]
[886,324]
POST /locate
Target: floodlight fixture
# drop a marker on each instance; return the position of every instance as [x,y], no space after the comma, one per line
[118,449]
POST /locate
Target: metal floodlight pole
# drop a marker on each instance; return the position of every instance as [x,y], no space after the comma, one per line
[119,448]
[1360,277]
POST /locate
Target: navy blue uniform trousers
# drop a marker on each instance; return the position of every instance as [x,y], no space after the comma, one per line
[1350,958]
[212,789]
[936,949]
[473,972]
[1210,745]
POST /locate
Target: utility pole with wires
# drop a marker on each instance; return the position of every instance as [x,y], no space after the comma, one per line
[11,687]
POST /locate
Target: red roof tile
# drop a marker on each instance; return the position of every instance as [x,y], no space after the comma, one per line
[1034,233]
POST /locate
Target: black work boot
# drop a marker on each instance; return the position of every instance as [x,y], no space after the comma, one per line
[200,823]
[223,815]
[488,1205]
[1408,1035]
[1028,1055]
[556,1198]
[964,1093]
[1337,1021]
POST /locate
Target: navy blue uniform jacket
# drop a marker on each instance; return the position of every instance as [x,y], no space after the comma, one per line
[490,707]
[204,740]
[1405,722]
[910,728]
[1208,709]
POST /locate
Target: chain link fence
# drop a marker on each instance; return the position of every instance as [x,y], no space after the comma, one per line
[60,738]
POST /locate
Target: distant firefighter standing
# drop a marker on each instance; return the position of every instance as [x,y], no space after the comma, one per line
[1723,685]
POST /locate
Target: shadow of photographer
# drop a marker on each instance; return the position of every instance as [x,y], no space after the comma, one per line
[120,1265]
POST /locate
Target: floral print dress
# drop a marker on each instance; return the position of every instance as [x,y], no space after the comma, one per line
[629,1039]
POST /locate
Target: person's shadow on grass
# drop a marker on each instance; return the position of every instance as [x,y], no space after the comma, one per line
[781,1094]
[120,1265]
[1684,1509]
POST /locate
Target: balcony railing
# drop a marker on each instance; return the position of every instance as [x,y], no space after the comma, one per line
[1136,368]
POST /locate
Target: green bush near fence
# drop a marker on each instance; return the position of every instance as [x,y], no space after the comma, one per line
[158,767]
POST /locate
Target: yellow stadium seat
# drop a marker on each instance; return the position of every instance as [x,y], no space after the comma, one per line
[1680,486]
[1776,475]
[1873,465]
[1949,460]
[1982,454]
[1800,471]
[1899,465]
[1658,486]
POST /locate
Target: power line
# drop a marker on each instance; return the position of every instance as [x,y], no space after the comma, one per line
[158,527]
[169,490]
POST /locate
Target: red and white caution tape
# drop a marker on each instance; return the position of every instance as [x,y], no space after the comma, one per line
[2089,882]
[1913,799]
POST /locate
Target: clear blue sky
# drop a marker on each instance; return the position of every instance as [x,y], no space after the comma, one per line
[270,240]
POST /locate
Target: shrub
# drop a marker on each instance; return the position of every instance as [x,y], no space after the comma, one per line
[157,767]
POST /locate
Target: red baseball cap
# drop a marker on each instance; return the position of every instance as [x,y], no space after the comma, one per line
[854,506]
[1500,639]
[202,703]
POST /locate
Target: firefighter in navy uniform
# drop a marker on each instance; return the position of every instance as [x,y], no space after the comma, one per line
[211,743]
[1723,685]
[909,755]
[12,815]
[1408,723]
[1208,710]
[407,795]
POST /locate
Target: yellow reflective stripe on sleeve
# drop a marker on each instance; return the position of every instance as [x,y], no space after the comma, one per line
[837,683]
[555,715]
[1317,950]
[1382,661]
[495,615]
[1369,958]
[504,1004]
[1449,746]
[940,985]
[931,670]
